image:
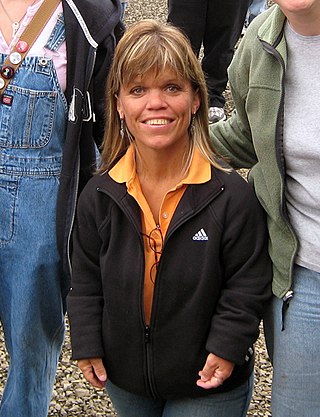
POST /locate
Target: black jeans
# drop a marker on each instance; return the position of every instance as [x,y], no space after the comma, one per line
[217,25]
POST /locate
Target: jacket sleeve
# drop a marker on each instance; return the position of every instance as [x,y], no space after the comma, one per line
[247,275]
[232,138]
[85,300]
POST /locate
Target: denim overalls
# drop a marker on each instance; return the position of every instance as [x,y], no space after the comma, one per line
[32,131]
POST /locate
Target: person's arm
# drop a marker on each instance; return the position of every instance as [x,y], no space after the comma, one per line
[232,138]
[233,142]
[85,301]
[247,274]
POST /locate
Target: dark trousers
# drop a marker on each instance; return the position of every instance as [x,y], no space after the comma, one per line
[217,25]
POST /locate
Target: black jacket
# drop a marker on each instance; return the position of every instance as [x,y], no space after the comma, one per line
[91,28]
[209,294]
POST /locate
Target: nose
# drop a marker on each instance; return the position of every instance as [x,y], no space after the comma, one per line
[156,99]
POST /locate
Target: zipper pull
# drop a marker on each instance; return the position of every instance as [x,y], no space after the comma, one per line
[147,334]
[285,305]
[72,108]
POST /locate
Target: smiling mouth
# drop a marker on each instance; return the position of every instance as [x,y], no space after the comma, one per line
[157,122]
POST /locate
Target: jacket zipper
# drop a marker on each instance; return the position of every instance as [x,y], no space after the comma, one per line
[289,293]
[147,339]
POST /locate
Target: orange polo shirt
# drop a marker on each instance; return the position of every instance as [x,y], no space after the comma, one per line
[153,231]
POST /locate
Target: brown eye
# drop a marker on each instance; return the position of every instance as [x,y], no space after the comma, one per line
[173,88]
[137,90]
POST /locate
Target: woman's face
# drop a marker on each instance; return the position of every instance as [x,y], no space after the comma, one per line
[302,13]
[158,109]
[296,5]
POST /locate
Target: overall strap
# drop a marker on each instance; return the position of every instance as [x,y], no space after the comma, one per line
[25,42]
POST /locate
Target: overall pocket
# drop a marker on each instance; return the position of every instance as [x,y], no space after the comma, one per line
[28,121]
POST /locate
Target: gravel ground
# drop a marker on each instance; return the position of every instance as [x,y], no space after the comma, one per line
[72,396]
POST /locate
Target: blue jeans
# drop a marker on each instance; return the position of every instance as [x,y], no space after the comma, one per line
[31,307]
[124,6]
[230,404]
[295,350]
[256,7]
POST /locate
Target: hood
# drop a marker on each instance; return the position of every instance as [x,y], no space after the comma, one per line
[101,17]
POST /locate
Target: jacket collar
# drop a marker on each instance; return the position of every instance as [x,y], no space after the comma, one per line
[271,30]
[195,198]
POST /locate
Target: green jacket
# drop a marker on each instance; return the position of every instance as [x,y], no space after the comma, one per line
[252,137]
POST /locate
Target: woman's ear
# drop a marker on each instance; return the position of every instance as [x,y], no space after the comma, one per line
[119,107]
[196,102]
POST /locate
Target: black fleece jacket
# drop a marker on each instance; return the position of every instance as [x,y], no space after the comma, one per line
[92,28]
[208,297]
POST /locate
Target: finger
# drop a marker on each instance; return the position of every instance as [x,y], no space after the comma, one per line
[89,373]
[212,365]
[92,379]
[213,382]
[99,370]
[207,371]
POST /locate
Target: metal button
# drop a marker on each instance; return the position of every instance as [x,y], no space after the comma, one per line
[43,62]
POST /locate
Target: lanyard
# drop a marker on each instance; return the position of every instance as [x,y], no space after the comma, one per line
[26,40]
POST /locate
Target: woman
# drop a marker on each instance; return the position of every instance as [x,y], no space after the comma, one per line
[50,116]
[274,74]
[170,265]
[215,26]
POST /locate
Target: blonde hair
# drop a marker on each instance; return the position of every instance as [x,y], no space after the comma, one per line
[151,45]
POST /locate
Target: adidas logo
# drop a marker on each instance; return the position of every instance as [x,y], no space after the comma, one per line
[201,235]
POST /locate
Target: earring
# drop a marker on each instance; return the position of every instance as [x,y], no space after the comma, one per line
[191,127]
[122,128]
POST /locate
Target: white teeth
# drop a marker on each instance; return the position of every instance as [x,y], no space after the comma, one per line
[157,122]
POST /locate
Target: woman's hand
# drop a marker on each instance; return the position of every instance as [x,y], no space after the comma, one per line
[215,371]
[93,371]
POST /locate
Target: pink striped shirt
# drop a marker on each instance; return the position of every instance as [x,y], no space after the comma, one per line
[38,49]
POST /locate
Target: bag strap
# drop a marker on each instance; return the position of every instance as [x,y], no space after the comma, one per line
[25,42]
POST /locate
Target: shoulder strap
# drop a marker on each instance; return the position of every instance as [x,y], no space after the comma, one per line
[26,40]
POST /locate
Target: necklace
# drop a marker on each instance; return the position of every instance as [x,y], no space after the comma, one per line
[14,24]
